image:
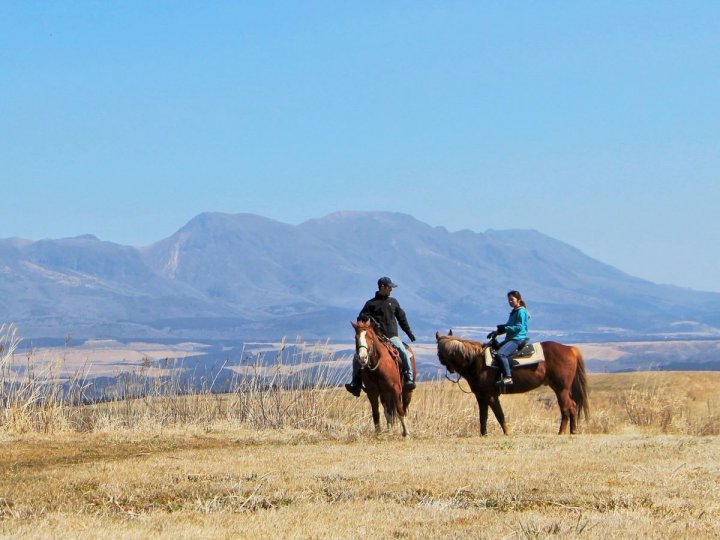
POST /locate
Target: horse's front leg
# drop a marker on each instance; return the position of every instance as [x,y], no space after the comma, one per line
[494,402]
[375,406]
[483,406]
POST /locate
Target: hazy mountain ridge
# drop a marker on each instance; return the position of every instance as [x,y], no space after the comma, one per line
[244,276]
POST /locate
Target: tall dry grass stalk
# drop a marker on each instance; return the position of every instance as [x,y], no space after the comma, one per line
[304,392]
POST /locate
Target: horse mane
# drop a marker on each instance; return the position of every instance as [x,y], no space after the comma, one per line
[467,350]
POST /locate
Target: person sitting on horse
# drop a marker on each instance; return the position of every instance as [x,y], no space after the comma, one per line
[515,330]
[387,313]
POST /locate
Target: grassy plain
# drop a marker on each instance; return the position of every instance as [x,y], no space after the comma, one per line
[306,464]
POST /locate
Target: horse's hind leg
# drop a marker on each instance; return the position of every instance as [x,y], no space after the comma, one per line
[389,409]
[405,431]
[401,413]
[573,417]
[389,420]
[568,411]
[494,403]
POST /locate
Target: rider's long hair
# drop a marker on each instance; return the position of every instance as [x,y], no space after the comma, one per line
[518,296]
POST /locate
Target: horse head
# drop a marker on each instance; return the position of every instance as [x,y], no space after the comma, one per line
[456,354]
[364,338]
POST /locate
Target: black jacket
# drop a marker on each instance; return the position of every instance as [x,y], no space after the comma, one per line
[387,313]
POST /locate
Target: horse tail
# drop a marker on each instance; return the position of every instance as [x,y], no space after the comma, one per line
[579,389]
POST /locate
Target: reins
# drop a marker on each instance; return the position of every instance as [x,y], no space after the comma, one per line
[459,376]
[371,349]
[377,362]
[447,376]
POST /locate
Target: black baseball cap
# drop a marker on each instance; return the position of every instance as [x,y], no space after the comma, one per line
[387,282]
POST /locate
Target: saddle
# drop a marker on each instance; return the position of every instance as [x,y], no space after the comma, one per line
[392,349]
[526,354]
[525,349]
[395,354]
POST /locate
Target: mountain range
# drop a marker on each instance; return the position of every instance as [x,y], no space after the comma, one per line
[243,276]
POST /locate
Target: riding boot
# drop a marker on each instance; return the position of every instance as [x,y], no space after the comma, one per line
[355,385]
[407,369]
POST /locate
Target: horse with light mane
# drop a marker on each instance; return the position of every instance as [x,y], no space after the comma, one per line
[381,375]
[563,370]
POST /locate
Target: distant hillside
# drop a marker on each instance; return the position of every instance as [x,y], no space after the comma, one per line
[245,276]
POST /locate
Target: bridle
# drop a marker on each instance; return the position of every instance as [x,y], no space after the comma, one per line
[370,348]
[457,381]
[459,375]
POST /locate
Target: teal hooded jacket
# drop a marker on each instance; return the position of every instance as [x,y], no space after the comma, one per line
[517,325]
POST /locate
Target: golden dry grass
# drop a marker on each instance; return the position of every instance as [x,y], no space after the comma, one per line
[293,484]
[273,460]
[646,466]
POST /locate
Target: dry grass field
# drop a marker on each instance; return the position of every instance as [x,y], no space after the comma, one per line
[305,463]
[297,484]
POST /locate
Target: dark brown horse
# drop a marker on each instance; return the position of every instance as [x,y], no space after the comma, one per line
[563,370]
[381,376]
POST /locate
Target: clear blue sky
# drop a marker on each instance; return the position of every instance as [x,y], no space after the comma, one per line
[597,123]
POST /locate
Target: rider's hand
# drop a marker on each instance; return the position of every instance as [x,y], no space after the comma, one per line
[491,335]
[412,337]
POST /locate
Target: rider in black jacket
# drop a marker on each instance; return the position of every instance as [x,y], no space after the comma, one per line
[387,313]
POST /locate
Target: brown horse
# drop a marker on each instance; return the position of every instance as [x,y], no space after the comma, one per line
[563,370]
[381,376]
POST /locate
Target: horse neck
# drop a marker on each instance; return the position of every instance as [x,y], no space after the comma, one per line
[473,366]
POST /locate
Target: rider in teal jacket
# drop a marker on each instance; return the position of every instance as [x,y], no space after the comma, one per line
[516,330]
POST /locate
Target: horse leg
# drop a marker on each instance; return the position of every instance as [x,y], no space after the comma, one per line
[389,419]
[494,403]
[568,411]
[483,406]
[388,407]
[401,412]
[375,406]
[405,431]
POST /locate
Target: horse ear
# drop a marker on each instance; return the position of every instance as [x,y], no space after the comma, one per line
[437,336]
[354,325]
[450,332]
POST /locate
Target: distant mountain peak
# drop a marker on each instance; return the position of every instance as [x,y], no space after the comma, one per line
[258,277]
[219,222]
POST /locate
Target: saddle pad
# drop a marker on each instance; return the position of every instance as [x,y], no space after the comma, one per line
[536,357]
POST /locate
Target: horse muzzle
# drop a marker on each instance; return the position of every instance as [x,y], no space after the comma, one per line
[363,356]
[362,349]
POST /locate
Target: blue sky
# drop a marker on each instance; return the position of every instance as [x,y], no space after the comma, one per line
[597,123]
